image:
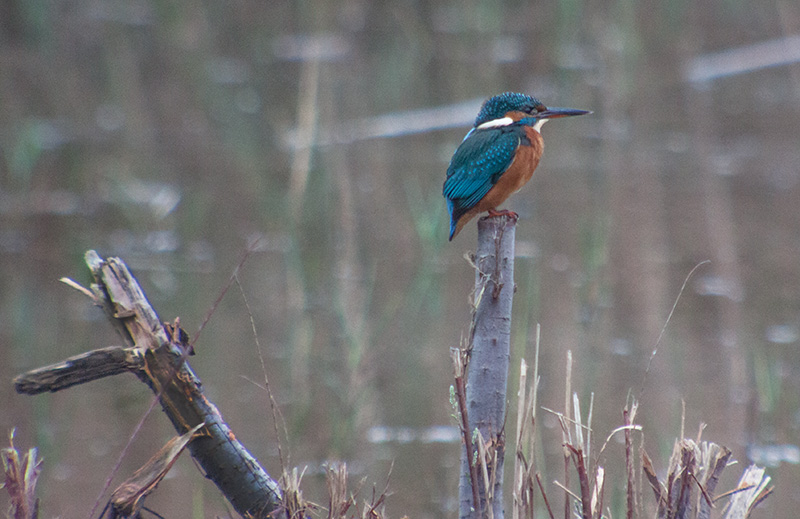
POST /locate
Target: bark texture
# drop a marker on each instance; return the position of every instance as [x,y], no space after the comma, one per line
[488,366]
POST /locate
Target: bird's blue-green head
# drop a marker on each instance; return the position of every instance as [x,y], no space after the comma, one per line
[498,106]
[511,107]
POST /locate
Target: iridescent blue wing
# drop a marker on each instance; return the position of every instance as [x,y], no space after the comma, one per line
[476,166]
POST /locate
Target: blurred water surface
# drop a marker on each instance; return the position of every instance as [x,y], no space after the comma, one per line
[172,135]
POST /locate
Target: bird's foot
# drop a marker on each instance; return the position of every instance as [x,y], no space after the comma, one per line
[503,212]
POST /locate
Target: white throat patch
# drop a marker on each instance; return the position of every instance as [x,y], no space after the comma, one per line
[539,124]
[495,123]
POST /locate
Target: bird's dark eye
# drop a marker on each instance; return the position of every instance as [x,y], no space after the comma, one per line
[532,109]
[535,109]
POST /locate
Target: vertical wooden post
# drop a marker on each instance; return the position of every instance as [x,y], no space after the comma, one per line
[488,363]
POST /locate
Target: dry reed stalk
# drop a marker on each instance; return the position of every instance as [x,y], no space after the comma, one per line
[293,503]
[460,359]
[544,496]
[524,479]
[597,492]
[21,475]
[655,484]
[752,490]
[694,471]
[519,493]
[487,459]
[342,502]
[628,416]
[583,480]
[523,482]
[565,432]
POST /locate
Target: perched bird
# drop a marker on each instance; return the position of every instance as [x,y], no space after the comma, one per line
[497,157]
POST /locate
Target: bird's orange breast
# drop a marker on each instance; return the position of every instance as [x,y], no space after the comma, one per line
[518,173]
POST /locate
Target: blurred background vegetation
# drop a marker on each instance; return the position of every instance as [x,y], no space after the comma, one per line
[172,134]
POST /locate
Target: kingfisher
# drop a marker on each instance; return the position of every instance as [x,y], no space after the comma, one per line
[497,157]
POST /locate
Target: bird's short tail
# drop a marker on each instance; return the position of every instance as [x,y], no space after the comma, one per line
[453,221]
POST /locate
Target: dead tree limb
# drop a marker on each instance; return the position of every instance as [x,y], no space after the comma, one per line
[79,369]
[155,352]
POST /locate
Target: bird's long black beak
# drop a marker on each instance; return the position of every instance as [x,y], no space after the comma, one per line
[555,113]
